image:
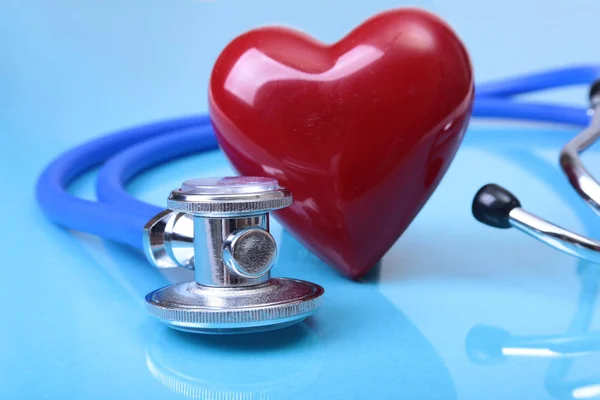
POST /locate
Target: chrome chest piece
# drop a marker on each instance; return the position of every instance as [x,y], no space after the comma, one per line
[232,291]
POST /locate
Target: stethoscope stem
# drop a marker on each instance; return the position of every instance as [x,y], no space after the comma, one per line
[555,236]
[579,177]
[495,206]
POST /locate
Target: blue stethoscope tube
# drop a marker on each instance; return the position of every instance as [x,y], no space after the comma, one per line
[545,80]
[120,217]
[119,222]
[123,167]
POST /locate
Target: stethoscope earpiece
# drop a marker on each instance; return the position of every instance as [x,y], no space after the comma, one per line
[492,206]
[497,207]
[595,94]
[484,344]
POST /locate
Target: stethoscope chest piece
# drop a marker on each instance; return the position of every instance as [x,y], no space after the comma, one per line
[232,291]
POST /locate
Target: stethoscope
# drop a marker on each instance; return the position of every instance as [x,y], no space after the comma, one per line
[232,291]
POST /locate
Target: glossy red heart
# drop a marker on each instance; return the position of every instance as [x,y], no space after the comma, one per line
[360,131]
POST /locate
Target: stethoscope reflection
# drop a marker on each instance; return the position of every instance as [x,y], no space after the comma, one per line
[269,365]
[487,344]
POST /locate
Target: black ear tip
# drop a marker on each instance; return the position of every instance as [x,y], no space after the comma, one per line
[595,89]
[492,205]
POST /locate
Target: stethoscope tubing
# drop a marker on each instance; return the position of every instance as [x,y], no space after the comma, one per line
[535,82]
[119,170]
[534,112]
[115,222]
[120,217]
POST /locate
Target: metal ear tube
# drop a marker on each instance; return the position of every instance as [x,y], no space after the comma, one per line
[232,291]
[497,207]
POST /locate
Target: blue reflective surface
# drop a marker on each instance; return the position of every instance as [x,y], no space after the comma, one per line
[455,310]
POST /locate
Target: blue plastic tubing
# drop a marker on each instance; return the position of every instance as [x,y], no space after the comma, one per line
[123,155]
[116,222]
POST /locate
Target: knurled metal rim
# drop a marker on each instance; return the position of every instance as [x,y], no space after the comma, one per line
[229,205]
[168,306]
[238,316]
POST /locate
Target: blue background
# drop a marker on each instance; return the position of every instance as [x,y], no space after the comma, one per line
[73,323]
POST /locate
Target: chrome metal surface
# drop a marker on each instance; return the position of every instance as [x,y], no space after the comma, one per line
[555,236]
[232,291]
[586,186]
[212,235]
[229,197]
[230,185]
[250,252]
[203,309]
[579,177]
[168,240]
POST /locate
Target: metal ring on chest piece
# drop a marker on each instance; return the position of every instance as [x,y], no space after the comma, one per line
[232,291]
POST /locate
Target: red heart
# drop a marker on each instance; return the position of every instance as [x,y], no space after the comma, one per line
[360,131]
